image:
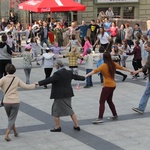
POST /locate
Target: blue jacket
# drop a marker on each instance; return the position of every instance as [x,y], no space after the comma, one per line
[83,30]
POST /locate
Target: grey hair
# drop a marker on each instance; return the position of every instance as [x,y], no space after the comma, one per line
[58,63]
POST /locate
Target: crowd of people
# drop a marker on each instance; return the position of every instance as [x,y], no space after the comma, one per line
[114,44]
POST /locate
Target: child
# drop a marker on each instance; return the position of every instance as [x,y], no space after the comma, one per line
[47,63]
[27,62]
[100,61]
[89,67]
[86,46]
[10,41]
[56,49]
[73,57]
[34,46]
[73,42]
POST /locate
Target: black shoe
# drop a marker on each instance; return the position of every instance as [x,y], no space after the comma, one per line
[76,128]
[145,76]
[86,86]
[124,77]
[45,86]
[56,130]
[37,64]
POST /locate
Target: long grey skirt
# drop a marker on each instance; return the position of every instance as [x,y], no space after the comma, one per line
[62,107]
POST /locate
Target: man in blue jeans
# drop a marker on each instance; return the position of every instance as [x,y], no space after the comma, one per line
[146,95]
[43,34]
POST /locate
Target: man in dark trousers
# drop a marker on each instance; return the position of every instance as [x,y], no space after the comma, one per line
[93,27]
[43,34]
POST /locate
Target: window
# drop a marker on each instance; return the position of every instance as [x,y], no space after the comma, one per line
[128,12]
[102,9]
[116,11]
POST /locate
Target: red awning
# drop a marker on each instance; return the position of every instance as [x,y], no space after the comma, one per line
[51,5]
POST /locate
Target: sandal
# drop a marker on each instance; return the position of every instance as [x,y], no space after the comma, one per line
[7,139]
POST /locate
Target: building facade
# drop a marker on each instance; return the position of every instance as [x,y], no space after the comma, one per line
[124,9]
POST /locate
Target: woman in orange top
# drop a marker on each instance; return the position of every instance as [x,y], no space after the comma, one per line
[108,69]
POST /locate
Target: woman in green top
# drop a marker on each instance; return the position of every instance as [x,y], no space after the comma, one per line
[58,32]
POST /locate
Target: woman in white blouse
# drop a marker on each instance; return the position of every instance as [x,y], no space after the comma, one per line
[103,37]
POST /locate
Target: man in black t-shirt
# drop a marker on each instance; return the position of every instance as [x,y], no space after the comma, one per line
[93,27]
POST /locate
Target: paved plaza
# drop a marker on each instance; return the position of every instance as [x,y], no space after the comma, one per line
[130,132]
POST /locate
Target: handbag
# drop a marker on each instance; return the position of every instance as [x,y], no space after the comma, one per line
[2,104]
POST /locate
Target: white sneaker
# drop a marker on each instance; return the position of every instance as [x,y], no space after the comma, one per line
[97,121]
[135,78]
[137,110]
[113,118]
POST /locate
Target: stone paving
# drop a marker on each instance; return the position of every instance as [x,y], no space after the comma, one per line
[130,132]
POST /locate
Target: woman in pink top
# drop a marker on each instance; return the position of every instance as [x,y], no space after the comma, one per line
[113,31]
[86,46]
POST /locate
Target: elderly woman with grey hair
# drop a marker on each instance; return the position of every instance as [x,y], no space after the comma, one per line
[62,92]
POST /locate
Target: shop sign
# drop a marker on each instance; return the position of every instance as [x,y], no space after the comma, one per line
[117,1]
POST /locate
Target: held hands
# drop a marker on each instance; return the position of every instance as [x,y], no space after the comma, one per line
[86,76]
[133,72]
[36,84]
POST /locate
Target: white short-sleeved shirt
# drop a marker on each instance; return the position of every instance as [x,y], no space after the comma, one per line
[104,38]
[74,43]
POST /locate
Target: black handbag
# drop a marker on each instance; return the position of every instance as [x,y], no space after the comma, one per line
[2,104]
